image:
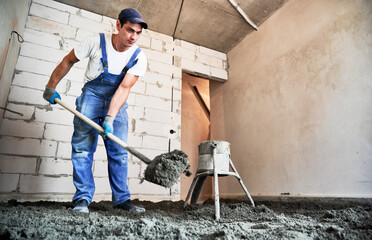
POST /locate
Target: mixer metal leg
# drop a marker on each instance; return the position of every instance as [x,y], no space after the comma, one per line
[216,195]
[241,183]
[197,189]
[190,190]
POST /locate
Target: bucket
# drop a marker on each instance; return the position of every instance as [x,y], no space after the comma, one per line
[218,151]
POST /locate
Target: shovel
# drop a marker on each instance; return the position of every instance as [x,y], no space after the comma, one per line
[164,170]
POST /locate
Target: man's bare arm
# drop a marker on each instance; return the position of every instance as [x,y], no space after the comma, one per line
[62,69]
[121,94]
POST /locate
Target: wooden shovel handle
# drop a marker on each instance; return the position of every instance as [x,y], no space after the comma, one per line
[101,130]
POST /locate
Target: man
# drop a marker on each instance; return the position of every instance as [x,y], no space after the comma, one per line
[115,63]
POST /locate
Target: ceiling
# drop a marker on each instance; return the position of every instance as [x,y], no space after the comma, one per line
[214,24]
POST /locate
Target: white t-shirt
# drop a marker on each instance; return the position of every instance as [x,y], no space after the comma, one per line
[91,47]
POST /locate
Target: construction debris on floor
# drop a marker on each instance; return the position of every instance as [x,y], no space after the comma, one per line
[295,219]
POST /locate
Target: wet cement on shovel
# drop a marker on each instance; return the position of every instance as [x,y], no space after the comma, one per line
[166,168]
[168,220]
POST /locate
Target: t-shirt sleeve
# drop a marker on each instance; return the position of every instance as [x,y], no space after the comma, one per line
[85,48]
[140,68]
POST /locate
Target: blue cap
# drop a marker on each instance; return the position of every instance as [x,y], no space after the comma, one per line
[133,16]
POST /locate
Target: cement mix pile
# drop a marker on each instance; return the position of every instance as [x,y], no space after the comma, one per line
[166,168]
[168,220]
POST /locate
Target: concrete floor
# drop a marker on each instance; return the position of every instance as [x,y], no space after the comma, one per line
[290,219]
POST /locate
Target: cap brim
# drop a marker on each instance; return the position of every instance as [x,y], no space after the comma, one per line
[139,21]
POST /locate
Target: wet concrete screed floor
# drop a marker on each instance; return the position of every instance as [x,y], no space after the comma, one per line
[313,219]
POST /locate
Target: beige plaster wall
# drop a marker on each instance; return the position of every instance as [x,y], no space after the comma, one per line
[297,108]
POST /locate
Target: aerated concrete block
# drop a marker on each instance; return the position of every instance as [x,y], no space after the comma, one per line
[57,116]
[49,26]
[135,112]
[20,128]
[158,91]
[27,146]
[90,15]
[155,115]
[27,111]
[152,142]
[41,52]
[134,140]
[42,38]
[100,168]
[144,42]
[57,5]
[49,13]
[195,66]
[157,44]
[64,150]
[102,185]
[152,128]
[146,187]
[9,182]
[158,56]
[52,166]
[157,35]
[219,73]
[26,96]
[159,67]
[152,102]
[30,80]
[88,24]
[184,53]
[46,184]
[35,65]
[16,164]
[212,53]
[58,132]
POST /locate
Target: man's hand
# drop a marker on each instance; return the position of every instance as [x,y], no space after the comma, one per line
[50,94]
[108,125]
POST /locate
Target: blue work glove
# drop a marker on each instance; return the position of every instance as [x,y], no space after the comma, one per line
[108,125]
[50,94]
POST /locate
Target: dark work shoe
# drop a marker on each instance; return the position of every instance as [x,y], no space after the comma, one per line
[129,206]
[81,206]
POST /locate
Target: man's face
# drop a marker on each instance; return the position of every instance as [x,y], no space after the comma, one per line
[128,33]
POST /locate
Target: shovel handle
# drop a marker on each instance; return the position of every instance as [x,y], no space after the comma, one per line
[101,130]
[80,115]
[91,123]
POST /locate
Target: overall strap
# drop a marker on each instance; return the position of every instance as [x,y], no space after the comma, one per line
[104,54]
[132,60]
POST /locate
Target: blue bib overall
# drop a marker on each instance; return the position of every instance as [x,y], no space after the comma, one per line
[94,103]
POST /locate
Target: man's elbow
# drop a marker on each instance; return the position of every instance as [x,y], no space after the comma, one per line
[70,59]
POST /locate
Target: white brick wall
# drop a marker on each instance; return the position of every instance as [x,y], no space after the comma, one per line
[35,148]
